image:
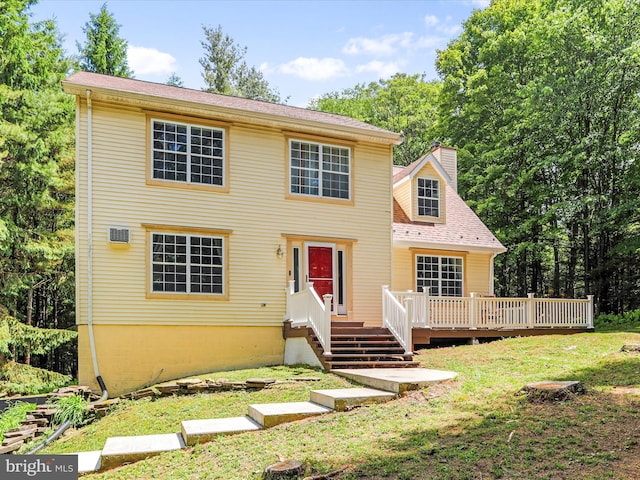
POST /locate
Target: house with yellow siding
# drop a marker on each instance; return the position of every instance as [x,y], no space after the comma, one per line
[212,230]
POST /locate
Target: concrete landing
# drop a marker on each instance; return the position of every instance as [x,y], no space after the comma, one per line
[88,461]
[271,414]
[120,450]
[201,431]
[397,380]
[342,399]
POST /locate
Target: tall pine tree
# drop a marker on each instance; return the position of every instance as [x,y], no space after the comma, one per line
[104,51]
[36,176]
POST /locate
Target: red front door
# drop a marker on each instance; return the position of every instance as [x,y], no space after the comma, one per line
[321,269]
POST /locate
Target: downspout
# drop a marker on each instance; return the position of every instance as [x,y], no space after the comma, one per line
[92,341]
[491,280]
[92,344]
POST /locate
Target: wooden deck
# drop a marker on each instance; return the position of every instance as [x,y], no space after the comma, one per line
[423,336]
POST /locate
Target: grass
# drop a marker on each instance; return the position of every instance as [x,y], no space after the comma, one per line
[477,426]
[13,415]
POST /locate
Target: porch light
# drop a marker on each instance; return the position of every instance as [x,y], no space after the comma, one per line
[279,252]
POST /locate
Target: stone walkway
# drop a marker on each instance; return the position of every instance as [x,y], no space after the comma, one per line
[386,384]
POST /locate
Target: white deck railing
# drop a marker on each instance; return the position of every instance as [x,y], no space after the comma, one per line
[497,313]
[397,317]
[306,308]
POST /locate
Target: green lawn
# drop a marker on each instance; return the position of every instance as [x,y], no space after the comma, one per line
[477,426]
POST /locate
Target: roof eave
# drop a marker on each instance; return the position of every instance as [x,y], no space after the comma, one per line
[274,120]
[449,246]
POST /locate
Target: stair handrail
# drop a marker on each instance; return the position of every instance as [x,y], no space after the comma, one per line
[306,306]
[397,318]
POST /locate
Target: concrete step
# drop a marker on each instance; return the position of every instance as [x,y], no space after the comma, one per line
[120,450]
[271,414]
[88,461]
[397,380]
[342,399]
[201,431]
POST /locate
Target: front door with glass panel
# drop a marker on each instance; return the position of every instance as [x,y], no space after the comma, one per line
[320,268]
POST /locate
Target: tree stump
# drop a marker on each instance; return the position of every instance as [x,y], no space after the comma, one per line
[553,391]
[284,469]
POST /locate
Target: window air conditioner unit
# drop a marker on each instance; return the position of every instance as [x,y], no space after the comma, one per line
[119,235]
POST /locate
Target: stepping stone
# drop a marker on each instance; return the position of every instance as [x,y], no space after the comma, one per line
[120,450]
[271,414]
[88,461]
[342,399]
[397,380]
[201,431]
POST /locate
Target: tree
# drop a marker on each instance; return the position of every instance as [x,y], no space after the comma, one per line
[36,174]
[226,71]
[404,103]
[104,51]
[541,99]
[174,80]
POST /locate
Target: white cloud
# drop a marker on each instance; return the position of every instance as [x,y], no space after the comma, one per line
[266,68]
[481,3]
[310,68]
[431,20]
[385,45]
[381,69]
[145,61]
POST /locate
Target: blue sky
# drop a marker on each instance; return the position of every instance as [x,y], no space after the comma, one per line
[304,48]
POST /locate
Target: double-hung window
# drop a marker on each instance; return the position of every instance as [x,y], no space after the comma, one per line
[187,153]
[428,197]
[320,170]
[440,276]
[187,263]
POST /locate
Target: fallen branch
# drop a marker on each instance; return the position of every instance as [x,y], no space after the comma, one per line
[324,476]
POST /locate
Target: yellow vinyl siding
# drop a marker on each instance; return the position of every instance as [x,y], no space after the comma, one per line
[255,209]
[448,158]
[402,194]
[133,356]
[476,268]
[428,171]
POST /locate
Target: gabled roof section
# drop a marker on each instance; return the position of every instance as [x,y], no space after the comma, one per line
[463,230]
[414,167]
[113,88]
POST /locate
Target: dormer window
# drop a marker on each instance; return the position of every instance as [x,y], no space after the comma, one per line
[428,197]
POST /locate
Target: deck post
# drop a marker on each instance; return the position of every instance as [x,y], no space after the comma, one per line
[309,301]
[427,308]
[408,306]
[292,287]
[531,310]
[473,311]
[327,323]
[384,304]
[590,312]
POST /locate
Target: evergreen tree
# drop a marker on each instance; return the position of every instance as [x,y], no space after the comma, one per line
[104,51]
[36,174]
[226,71]
[174,80]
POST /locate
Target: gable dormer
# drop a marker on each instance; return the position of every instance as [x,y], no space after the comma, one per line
[420,188]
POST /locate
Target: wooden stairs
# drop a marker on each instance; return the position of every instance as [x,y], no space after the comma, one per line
[355,346]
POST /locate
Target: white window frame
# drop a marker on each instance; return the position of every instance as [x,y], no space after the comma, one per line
[434,199]
[189,154]
[440,279]
[321,171]
[189,263]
